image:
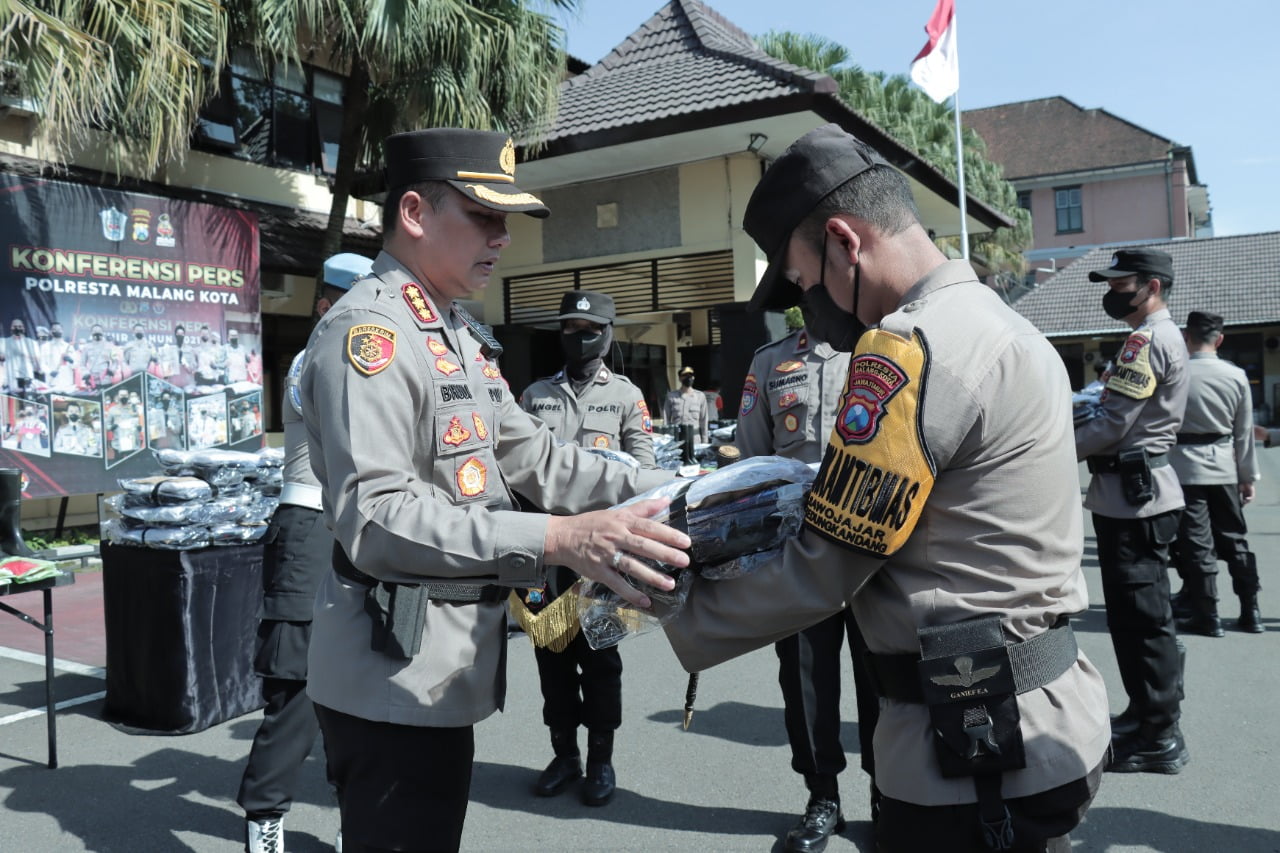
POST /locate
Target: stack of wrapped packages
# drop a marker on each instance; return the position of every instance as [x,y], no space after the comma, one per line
[200,498]
[737,517]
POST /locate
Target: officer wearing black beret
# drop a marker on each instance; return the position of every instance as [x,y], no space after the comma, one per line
[404,404]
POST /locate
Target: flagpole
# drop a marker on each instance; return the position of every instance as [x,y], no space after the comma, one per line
[955,105]
[964,219]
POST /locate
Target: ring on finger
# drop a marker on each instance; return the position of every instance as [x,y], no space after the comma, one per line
[617,559]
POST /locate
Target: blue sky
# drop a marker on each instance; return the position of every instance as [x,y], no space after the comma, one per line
[1199,73]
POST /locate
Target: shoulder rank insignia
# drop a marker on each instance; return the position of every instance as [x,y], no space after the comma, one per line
[447,367]
[418,303]
[802,342]
[436,347]
[370,348]
[789,366]
[600,441]
[456,433]
[472,476]
[482,431]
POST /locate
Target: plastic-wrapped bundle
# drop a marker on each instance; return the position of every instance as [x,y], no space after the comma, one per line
[667,452]
[615,455]
[271,457]
[174,462]
[1087,402]
[146,513]
[236,534]
[259,511]
[746,509]
[120,531]
[224,467]
[164,491]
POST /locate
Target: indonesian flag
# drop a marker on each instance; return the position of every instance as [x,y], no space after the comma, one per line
[936,69]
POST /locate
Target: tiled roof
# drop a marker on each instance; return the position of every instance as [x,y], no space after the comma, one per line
[686,59]
[1235,277]
[1052,136]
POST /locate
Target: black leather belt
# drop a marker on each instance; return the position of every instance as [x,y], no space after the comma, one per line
[453,593]
[1201,437]
[1111,464]
[1036,662]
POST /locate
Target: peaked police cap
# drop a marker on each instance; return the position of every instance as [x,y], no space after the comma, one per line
[480,164]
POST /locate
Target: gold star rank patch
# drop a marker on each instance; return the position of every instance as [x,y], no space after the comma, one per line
[370,348]
[418,303]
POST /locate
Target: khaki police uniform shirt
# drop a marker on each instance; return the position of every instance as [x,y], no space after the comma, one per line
[790,397]
[1000,532]
[1219,402]
[690,407]
[1143,401]
[414,438]
[610,413]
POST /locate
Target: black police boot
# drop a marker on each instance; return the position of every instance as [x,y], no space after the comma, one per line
[564,768]
[1203,619]
[1138,753]
[598,787]
[1124,723]
[821,818]
[11,514]
[1250,620]
[1180,602]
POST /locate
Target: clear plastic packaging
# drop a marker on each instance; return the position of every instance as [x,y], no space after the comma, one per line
[121,531]
[737,518]
[164,491]
[615,455]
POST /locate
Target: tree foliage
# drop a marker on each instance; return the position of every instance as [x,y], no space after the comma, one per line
[924,126]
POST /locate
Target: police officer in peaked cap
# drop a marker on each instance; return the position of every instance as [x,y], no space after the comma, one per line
[417,444]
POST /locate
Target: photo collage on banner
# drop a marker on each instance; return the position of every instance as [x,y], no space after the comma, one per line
[128,322]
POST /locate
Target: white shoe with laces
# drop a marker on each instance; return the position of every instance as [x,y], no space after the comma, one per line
[264,836]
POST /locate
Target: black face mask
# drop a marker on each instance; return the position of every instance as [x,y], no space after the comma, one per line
[73,418]
[1116,304]
[57,334]
[585,346]
[826,320]
[97,336]
[178,338]
[686,381]
[138,335]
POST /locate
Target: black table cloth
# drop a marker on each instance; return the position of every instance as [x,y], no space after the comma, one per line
[180,631]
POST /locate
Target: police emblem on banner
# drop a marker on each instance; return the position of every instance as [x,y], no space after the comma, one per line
[471,478]
[165,232]
[749,395]
[873,380]
[418,303]
[113,224]
[141,230]
[456,433]
[874,481]
[370,348]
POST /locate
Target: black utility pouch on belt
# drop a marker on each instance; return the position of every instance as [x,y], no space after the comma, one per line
[968,684]
[1134,468]
[399,615]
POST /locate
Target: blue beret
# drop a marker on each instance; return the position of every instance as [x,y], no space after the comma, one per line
[342,270]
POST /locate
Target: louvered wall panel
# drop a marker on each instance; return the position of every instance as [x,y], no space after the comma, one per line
[661,284]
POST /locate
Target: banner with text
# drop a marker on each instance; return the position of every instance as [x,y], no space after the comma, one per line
[129,322]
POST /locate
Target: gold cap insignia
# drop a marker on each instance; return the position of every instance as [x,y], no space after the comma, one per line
[507,159]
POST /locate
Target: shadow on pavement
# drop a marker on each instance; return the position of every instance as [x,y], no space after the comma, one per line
[510,788]
[1108,828]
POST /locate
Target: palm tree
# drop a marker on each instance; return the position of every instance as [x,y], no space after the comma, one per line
[140,70]
[485,64]
[924,126]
